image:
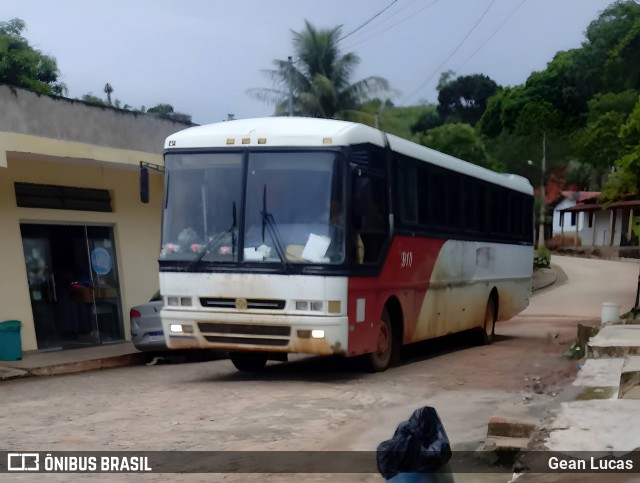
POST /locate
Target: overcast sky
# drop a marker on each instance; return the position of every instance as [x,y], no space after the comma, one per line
[201,56]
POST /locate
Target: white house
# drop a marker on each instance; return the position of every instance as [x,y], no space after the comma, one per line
[576,214]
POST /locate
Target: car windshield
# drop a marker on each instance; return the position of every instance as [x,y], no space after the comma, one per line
[294,208]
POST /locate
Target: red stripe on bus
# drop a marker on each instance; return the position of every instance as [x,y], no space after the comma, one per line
[406,275]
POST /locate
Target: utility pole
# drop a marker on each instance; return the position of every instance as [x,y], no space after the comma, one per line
[290,79]
[542,194]
[377,120]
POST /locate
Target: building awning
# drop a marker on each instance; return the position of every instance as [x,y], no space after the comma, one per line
[597,207]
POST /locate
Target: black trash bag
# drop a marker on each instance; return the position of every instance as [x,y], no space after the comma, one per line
[419,445]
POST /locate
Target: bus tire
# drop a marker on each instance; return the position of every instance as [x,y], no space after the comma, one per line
[248,361]
[387,349]
[488,331]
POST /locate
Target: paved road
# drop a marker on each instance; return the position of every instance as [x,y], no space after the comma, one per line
[308,404]
[588,283]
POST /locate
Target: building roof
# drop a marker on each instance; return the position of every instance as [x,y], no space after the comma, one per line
[581,196]
[597,207]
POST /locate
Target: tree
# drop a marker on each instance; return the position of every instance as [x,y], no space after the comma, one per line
[624,181]
[91,99]
[23,66]
[320,77]
[599,144]
[165,111]
[428,120]
[464,99]
[461,141]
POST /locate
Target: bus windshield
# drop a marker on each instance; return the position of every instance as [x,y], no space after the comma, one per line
[294,208]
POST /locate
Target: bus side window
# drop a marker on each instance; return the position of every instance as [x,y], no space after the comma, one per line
[369,216]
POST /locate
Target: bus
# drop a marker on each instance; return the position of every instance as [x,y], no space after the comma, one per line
[295,235]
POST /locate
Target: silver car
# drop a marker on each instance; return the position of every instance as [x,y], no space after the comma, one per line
[146,325]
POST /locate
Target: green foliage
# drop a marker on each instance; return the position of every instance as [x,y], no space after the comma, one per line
[584,101]
[23,66]
[542,258]
[428,120]
[624,181]
[582,175]
[401,120]
[165,111]
[461,141]
[620,102]
[464,99]
[321,77]
[94,100]
[599,144]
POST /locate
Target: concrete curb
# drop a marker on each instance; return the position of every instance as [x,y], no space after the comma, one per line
[74,367]
[543,278]
[7,373]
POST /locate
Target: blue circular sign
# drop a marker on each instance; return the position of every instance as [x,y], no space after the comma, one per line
[101,261]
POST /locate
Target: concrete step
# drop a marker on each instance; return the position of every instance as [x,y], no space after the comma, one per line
[610,425]
[630,379]
[615,341]
[599,379]
[511,427]
[501,443]
[11,373]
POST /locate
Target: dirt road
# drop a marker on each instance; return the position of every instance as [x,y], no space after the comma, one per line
[308,404]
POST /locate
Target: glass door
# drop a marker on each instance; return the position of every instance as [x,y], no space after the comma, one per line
[106,287]
[74,298]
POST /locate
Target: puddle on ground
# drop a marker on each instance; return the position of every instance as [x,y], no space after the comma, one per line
[597,393]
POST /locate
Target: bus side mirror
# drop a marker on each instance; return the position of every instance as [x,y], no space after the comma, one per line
[144,184]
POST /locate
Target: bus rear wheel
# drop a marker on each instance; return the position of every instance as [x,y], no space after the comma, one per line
[488,331]
[248,361]
[387,347]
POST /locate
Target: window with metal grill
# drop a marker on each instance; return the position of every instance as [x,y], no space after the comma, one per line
[30,195]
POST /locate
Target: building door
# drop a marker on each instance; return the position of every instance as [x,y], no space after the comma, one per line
[73,285]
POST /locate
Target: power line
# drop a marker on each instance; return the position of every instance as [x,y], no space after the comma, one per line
[437,69]
[493,34]
[368,21]
[394,25]
[385,20]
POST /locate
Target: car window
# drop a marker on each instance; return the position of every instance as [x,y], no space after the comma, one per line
[156,297]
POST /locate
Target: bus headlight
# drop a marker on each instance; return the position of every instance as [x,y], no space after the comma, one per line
[317,334]
[181,328]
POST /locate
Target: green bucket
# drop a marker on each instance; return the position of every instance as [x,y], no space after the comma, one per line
[10,343]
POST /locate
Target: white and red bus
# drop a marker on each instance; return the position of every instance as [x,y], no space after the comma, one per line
[314,236]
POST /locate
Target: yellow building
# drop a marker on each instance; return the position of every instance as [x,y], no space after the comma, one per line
[77,246]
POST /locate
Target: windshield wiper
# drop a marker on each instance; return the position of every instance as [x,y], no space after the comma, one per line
[216,241]
[269,222]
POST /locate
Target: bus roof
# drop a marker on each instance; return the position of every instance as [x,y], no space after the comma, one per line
[301,131]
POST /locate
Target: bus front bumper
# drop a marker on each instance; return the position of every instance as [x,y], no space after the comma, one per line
[322,335]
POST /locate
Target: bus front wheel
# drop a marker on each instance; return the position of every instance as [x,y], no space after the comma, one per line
[387,347]
[248,361]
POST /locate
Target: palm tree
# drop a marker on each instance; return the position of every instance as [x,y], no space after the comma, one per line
[320,78]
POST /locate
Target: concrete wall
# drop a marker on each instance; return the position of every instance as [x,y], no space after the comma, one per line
[28,113]
[136,231]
